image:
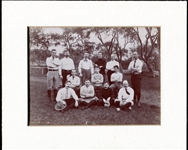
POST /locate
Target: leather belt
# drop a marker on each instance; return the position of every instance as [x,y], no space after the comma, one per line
[52,69]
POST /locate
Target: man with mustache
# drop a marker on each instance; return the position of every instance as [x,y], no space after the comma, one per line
[85,68]
[66,66]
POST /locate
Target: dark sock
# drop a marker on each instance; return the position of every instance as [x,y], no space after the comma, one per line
[49,94]
[138,97]
[112,102]
[117,103]
[55,94]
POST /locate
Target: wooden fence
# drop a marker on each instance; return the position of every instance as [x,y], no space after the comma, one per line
[38,70]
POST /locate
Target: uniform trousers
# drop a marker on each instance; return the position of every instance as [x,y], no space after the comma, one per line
[86,75]
[64,74]
[52,80]
[123,107]
[136,85]
[70,103]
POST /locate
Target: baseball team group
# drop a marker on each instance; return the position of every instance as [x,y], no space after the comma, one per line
[98,83]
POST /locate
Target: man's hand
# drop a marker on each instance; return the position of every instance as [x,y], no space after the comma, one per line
[135,69]
[76,103]
[104,100]
[83,95]
[56,65]
[80,75]
[86,95]
[52,61]
[61,76]
[116,100]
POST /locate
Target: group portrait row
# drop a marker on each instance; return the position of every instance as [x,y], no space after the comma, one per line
[98,83]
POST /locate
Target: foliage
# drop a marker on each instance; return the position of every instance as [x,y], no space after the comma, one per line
[38,38]
[77,41]
[37,56]
[149,48]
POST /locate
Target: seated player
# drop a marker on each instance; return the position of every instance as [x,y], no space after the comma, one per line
[67,96]
[125,97]
[97,80]
[116,80]
[87,94]
[75,81]
[106,96]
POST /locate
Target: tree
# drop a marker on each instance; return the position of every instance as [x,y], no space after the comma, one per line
[150,46]
[37,38]
[101,33]
[39,44]
[75,40]
[115,37]
[127,36]
[110,40]
[37,56]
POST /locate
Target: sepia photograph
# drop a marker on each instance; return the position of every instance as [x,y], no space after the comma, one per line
[94,75]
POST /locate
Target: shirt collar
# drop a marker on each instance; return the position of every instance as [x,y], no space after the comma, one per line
[86,86]
[52,57]
[85,59]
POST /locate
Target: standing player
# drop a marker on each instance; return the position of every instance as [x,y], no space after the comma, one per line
[110,67]
[135,67]
[52,75]
[85,68]
[66,66]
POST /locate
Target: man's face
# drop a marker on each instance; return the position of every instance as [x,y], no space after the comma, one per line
[53,53]
[135,56]
[106,85]
[112,57]
[100,55]
[73,72]
[66,54]
[86,55]
[115,69]
[97,70]
[87,83]
[67,85]
[125,85]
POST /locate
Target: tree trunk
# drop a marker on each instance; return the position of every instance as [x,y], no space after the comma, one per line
[150,69]
[120,66]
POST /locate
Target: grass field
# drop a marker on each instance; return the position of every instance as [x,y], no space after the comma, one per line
[42,113]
